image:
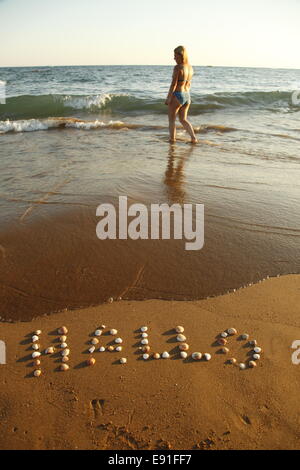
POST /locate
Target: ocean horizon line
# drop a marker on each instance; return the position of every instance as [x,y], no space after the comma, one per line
[148,65]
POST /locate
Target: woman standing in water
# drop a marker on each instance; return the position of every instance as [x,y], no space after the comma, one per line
[179,99]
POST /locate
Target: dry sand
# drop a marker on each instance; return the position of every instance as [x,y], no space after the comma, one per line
[159,404]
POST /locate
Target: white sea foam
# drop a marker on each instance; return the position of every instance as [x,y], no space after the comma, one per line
[27,125]
[87,125]
[30,125]
[87,102]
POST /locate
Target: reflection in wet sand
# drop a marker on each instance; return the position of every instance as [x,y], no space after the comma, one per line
[174,175]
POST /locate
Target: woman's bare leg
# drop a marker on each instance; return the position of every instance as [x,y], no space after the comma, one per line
[186,124]
[174,107]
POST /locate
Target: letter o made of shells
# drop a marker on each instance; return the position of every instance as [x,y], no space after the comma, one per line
[244,338]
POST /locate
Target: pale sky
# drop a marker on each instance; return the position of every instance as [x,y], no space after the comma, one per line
[254,33]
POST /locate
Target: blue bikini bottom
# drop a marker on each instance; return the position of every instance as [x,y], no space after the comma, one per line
[183,97]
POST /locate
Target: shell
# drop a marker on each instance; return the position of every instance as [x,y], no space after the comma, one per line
[91,361]
[144,341]
[92,349]
[179,329]
[144,329]
[224,334]
[165,355]
[231,331]
[183,354]
[37,362]
[35,354]
[35,346]
[119,348]
[102,349]
[118,340]
[156,356]
[184,347]
[95,341]
[63,339]
[144,335]
[232,360]
[225,350]
[65,359]
[207,356]
[245,336]
[98,332]
[252,364]
[63,345]
[256,357]
[65,352]
[242,366]
[145,356]
[146,348]
[197,356]
[35,338]
[113,332]
[110,300]
[110,348]
[257,350]
[181,338]
[64,367]
[63,330]
[103,327]
[222,341]
[37,373]
[49,350]
[38,332]
[123,360]
[253,342]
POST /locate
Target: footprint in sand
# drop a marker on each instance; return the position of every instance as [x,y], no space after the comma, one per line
[97,406]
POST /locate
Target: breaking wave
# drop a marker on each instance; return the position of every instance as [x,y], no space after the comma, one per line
[31,125]
[43,106]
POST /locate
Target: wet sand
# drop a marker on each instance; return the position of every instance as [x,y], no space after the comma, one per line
[53,181]
[200,405]
[53,260]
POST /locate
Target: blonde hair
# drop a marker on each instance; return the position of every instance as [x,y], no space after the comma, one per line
[181,50]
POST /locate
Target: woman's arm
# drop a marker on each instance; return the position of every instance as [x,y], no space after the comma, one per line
[173,84]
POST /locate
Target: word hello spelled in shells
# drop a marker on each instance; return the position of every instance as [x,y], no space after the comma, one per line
[103,334]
